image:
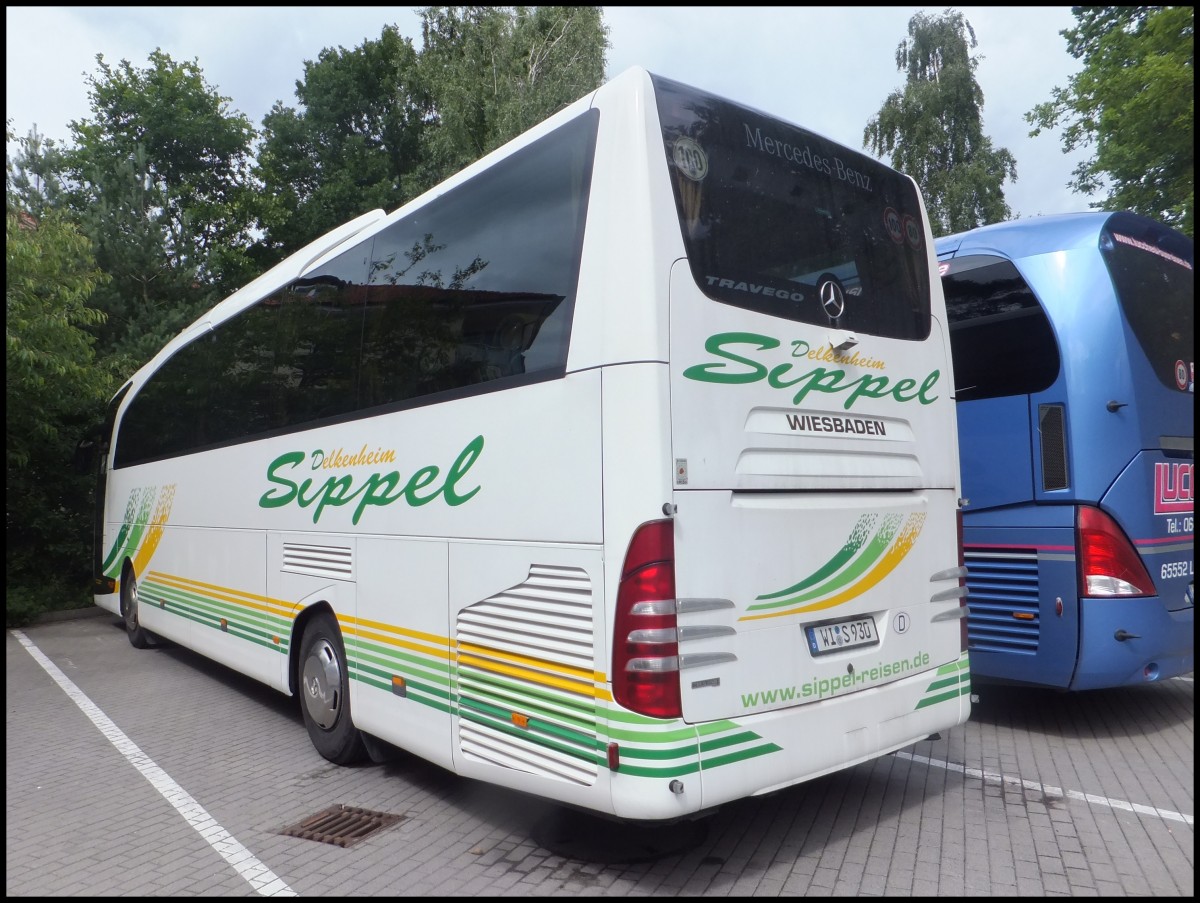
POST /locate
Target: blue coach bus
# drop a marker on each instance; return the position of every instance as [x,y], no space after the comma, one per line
[1072,341]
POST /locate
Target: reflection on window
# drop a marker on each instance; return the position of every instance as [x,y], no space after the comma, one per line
[1152,270]
[1000,338]
[470,293]
[770,213]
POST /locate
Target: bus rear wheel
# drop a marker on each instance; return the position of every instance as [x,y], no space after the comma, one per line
[325,693]
[139,636]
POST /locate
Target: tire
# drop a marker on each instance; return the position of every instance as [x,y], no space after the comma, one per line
[139,636]
[325,693]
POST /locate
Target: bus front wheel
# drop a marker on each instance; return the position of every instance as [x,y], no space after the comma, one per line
[325,693]
[139,636]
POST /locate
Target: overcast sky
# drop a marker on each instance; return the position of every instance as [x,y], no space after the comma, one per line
[828,69]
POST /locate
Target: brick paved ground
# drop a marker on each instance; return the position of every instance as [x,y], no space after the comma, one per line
[1040,794]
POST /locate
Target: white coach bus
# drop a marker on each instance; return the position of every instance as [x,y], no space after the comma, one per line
[620,469]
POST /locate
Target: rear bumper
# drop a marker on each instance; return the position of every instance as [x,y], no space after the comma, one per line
[780,748]
[1161,645]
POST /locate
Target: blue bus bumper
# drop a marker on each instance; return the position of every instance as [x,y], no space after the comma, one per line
[1161,644]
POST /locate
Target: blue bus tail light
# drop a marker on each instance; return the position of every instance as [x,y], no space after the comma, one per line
[1109,565]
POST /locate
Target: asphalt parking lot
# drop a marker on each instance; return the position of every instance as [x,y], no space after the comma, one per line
[157,772]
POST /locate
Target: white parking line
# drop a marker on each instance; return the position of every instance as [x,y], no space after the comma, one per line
[261,878]
[992,777]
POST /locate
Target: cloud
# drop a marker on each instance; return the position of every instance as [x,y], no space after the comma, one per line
[828,69]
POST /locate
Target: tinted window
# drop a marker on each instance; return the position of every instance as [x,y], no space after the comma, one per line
[1000,337]
[1152,270]
[472,292]
[318,342]
[210,392]
[479,285]
[771,214]
[168,414]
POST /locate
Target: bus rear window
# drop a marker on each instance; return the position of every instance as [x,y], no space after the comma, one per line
[1152,271]
[779,220]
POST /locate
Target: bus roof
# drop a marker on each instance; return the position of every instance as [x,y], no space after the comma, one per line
[1028,237]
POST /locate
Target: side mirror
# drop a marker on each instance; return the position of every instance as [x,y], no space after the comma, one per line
[84,461]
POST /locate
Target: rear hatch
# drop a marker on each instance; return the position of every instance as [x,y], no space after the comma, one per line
[822,526]
[1153,497]
[811,414]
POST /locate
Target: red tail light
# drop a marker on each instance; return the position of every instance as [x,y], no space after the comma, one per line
[645,669]
[1109,565]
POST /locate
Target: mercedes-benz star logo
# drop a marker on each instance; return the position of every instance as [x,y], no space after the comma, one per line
[832,298]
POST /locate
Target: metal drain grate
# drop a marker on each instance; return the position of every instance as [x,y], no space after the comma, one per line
[341,826]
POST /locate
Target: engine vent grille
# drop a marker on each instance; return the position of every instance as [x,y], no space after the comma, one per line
[319,561]
[1005,615]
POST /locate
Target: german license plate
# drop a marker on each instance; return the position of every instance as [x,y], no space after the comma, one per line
[839,635]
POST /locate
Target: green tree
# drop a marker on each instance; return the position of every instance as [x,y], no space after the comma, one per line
[36,177]
[54,389]
[353,146]
[380,124]
[495,72]
[1134,101]
[160,182]
[932,128]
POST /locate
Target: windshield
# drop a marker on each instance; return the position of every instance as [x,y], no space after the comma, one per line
[779,220]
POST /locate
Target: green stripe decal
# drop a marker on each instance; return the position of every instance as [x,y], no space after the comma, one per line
[512,730]
[659,753]
[874,550]
[952,681]
[526,696]
[953,694]
[504,715]
[644,772]
[117,545]
[573,723]
[858,536]
[718,761]
[245,623]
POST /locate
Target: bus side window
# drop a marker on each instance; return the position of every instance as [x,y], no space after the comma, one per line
[458,293]
[1000,338]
